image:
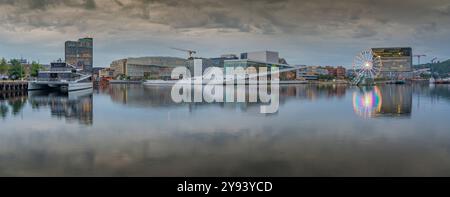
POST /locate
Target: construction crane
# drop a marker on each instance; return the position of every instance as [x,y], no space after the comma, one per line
[433,60]
[418,58]
[190,52]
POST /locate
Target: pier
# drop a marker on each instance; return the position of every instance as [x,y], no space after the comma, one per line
[13,86]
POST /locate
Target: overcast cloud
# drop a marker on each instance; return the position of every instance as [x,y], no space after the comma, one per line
[312,32]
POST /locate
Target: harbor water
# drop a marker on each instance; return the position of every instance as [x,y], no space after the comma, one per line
[136,130]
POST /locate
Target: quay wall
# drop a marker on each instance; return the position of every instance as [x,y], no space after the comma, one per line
[13,86]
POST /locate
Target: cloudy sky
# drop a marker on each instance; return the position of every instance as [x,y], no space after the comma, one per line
[313,32]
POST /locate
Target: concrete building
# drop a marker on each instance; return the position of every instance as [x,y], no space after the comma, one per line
[262,56]
[311,72]
[219,61]
[106,73]
[146,67]
[397,61]
[259,59]
[118,67]
[80,53]
[337,72]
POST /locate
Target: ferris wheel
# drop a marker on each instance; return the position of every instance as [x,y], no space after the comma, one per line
[366,65]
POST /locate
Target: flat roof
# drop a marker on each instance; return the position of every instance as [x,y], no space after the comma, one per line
[250,60]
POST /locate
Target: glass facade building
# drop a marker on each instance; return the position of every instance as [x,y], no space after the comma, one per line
[396,61]
[245,63]
[80,53]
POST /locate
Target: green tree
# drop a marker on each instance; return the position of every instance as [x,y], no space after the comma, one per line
[325,77]
[35,68]
[16,70]
[3,66]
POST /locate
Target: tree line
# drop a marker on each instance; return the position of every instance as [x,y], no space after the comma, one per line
[15,70]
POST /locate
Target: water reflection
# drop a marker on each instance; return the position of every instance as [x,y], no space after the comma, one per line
[367,103]
[159,96]
[74,106]
[12,102]
[139,131]
[382,101]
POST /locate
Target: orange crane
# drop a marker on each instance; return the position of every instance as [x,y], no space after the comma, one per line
[418,57]
[190,52]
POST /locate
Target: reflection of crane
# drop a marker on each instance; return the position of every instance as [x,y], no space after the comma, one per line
[418,58]
[190,52]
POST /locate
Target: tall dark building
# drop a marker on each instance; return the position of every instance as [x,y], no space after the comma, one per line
[397,61]
[80,53]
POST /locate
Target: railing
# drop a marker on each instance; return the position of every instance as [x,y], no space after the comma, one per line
[56,79]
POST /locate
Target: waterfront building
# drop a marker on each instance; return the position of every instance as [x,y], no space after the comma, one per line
[340,72]
[262,59]
[146,67]
[118,67]
[262,56]
[397,61]
[311,72]
[219,61]
[106,73]
[80,53]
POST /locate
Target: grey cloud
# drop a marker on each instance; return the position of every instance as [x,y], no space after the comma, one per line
[364,31]
[295,23]
[45,4]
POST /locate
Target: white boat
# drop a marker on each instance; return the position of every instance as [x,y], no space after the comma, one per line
[61,77]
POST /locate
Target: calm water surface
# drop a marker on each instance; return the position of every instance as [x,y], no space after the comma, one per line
[132,130]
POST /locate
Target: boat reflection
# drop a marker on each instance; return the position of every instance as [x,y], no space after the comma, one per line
[76,106]
[382,101]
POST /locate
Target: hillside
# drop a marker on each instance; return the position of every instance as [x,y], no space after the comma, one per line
[441,68]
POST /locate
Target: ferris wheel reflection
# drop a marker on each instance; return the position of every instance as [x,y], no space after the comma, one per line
[367,103]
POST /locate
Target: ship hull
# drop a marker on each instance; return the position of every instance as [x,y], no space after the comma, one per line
[60,86]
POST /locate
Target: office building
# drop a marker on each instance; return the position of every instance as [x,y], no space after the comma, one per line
[146,67]
[262,56]
[80,53]
[397,61]
[266,59]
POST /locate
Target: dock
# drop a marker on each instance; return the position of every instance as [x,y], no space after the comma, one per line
[13,86]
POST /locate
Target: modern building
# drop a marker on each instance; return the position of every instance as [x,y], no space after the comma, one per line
[219,61]
[266,59]
[262,56]
[80,53]
[146,67]
[397,61]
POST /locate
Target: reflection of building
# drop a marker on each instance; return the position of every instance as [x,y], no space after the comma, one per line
[146,67]
[397,100]
[397,62]
[73,106]
[80,53]
[389,100]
